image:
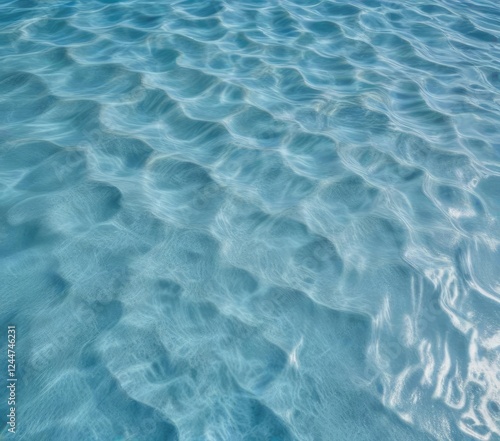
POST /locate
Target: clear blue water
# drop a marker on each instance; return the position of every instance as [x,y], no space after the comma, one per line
[266,220]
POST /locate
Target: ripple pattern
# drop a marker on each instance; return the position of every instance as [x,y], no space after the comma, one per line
[256,220]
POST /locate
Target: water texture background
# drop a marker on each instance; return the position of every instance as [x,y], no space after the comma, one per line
[251,220]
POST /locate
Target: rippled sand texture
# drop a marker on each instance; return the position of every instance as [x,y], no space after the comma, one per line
[252,220]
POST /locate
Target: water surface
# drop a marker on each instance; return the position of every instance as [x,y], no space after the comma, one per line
[252,220]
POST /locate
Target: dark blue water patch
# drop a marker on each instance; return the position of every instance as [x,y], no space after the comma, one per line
[466,28]
[101,201]
[201,29]
[58,32]
[293,87]
[338,10]
[155,102]
[320,256]
[324,29]
[141,224]
[119,408]
[315,155]
[75,115]
[101,80]
[169,287]
[15,16]
[164,58]
[143,21]
[491,189]
[21,237]
[175,175]
[99,50]
[53,59]
[27,154]
[59,171]
[264,127]
[67,10]
[125,34]
[239,282]
[187,83]
[22,83]
[186,129]
[263,422]
[132,153]
[107,314]
[201,10]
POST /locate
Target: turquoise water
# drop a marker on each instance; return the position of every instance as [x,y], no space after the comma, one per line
[266,220]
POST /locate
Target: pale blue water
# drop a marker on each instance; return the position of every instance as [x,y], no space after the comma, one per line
[247,220]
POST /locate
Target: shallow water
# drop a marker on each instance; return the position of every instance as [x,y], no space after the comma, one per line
[251,220]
